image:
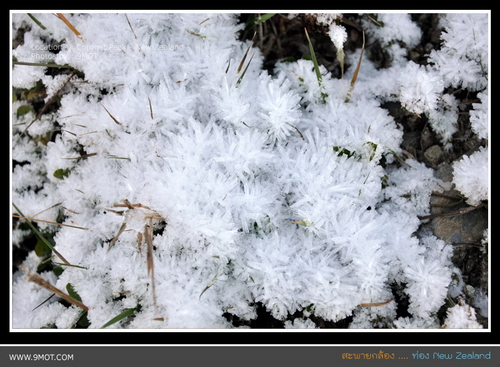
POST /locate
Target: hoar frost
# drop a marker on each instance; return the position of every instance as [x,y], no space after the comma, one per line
[268,193]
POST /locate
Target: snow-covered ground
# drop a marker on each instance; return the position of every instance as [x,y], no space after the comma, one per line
[252,188]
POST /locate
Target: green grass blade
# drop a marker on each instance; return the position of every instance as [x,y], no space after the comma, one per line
[37,21]
[265,17]
[41,237]
[71,265]
[72,292]
[324,95]
[313,57]
[119,317]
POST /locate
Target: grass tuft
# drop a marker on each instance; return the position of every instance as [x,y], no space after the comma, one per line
[147,233]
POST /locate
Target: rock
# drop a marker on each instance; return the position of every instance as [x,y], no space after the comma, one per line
[465,228]
[444,172]
[434,155]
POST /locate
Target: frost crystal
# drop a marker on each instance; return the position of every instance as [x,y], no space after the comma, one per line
[461,316]
[238,188]
[479,116]
[470,175]
[463,59]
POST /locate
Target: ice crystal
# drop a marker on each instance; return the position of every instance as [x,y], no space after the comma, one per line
[470,175]
[265,189]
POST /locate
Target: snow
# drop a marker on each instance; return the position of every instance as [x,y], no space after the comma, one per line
[267,192]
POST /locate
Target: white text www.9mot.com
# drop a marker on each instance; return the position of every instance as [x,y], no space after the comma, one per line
[59,357]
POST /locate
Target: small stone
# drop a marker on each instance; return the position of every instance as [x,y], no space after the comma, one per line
[434,155]
[426,138]
[469,291]
[444,172]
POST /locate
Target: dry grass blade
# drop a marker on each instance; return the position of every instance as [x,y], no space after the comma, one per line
[68,23]
[139,241]
[129,205]
[240,66]
[244,71]
[133,32]
[41,237]
[35,278]
[196,34]
[374,20]
[298,131]
[49,102]
[50,207]
[45,65]
[47,221]
[149,242]
[130,25]
[84,156]
[148,234]
[208,286]
[356,71]
[151,109]
[43,302]
[376,304]
[110,115]
[120,231]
